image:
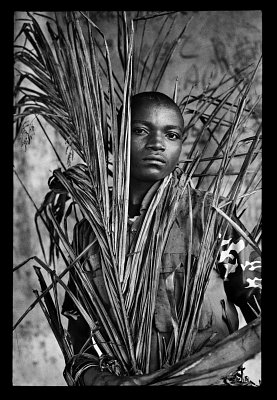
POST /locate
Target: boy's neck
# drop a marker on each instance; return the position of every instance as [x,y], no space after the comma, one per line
[138,190]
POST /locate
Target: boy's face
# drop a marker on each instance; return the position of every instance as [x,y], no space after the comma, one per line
[156,140]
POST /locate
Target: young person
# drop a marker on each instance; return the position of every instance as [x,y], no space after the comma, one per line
[156,142]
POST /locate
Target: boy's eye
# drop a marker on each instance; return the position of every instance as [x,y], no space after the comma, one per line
[139,131]
[173,135]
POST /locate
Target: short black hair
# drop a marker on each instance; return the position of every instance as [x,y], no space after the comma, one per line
[157,98]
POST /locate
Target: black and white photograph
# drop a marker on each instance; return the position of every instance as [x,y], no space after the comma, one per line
[137,198]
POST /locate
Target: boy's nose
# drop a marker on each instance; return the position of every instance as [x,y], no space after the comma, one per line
[156,142]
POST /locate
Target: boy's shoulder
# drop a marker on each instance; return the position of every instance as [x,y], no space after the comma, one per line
[83,228]
[198,198]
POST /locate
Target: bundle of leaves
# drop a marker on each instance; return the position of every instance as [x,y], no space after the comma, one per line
[75,89]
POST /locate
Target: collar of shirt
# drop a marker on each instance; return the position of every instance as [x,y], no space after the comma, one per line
[146,201]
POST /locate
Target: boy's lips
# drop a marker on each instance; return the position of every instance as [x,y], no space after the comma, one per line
[155,158]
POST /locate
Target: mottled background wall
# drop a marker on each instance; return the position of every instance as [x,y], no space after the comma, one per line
[215,43]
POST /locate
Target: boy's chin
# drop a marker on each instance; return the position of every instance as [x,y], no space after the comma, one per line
[149,177]
[152,173]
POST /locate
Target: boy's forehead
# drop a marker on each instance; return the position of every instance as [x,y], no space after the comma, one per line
[145,106]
